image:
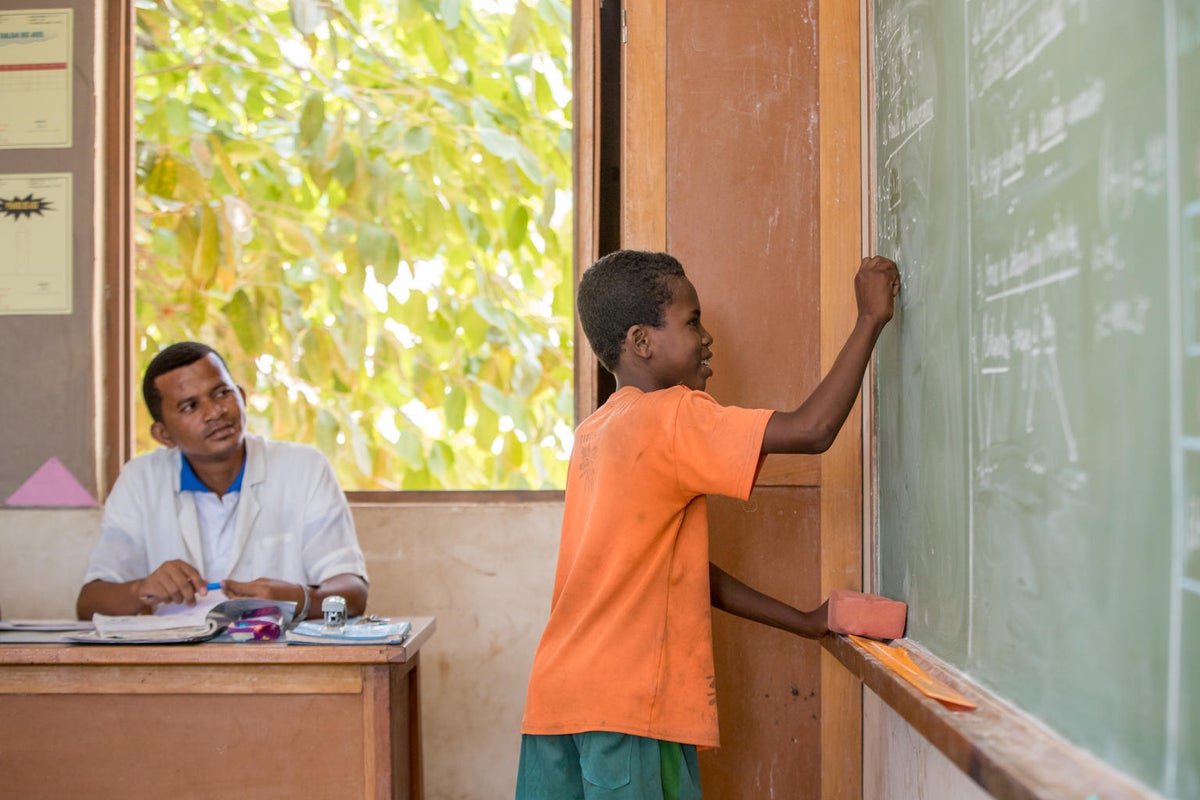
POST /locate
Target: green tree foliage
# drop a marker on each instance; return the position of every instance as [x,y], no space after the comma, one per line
[365,205]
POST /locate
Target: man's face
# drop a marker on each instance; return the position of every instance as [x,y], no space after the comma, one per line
[682,345]
[203,410]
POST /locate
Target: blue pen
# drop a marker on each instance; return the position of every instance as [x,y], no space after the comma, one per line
[213,585]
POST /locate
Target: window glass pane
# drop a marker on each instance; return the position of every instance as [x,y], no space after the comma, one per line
[365,206]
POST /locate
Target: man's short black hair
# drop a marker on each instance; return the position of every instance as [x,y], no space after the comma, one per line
[623,289]
[170,359]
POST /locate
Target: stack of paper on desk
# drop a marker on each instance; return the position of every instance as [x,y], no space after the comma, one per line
[360,630]
[40,631]
[198,624]
[150,628]
[47,625]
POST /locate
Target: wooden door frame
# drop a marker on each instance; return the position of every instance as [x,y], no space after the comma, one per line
[586,144]
[839,43]
[115,175]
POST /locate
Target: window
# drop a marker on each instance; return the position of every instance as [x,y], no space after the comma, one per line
[366,208]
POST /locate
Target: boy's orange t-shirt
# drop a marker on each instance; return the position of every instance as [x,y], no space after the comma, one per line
[628,646]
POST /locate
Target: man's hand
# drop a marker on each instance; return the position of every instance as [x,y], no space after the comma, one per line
[173,582]
[350,587]
[265,589]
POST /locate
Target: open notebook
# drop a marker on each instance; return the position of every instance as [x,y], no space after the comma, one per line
[196,624]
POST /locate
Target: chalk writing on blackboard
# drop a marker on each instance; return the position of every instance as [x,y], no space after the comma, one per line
[1037,174]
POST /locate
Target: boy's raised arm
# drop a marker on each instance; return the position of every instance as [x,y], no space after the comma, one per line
[812,427]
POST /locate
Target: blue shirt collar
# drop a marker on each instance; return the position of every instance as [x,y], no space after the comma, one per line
[188,482]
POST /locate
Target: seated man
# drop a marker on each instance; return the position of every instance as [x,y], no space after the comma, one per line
[217,505]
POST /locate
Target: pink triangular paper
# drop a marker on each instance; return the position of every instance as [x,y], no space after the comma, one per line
[52,485]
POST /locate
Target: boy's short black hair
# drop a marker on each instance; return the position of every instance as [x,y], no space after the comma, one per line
[172,358]
[623,289]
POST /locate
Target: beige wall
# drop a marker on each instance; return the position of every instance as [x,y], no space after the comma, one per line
[899,764]
[484,571]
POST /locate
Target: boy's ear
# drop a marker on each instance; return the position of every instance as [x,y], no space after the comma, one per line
[637,341]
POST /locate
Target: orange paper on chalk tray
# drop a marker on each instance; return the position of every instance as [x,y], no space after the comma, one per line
[899,661]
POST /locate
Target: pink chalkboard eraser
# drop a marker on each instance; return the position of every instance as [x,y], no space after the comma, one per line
[866,614]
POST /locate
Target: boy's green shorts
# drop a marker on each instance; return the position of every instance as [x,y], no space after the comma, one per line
[609,766]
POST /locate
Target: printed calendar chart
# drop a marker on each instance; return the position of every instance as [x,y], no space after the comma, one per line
[35,79]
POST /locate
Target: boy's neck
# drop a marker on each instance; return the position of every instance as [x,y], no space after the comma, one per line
[641,379]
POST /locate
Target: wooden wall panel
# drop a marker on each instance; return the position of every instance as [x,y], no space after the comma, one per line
[743,187]
[767,680]
[742,194]
[742,211]
[643,132]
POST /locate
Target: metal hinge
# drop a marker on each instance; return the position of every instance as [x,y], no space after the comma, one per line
[624,27]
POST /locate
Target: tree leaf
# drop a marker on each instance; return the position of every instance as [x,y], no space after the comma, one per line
[455,408]
[162,178]
[499,144]
[417,140]
[451,13]
[519,30]
[345,170]
[307,15]
[312,119]
[517,228]
[327,430]
[208,248]
[244,320]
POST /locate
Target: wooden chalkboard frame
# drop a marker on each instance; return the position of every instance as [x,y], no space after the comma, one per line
[1007,753]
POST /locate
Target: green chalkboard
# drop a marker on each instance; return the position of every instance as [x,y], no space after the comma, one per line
[1037,172]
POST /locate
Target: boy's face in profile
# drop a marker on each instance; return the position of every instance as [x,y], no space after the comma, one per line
[681,347]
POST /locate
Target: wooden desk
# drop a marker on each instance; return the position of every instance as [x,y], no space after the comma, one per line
[212,720]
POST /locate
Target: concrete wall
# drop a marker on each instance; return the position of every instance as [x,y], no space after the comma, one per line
[485,571]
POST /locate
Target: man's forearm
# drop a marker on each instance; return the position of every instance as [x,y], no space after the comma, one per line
[352,587]
[104,597]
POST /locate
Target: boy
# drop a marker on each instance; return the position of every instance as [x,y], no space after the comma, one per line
[263,518]
[622,689]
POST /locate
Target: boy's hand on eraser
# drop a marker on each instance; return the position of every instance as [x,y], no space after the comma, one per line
[866,614]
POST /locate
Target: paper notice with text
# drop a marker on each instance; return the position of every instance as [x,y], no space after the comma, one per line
[35,244]
[35,78]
